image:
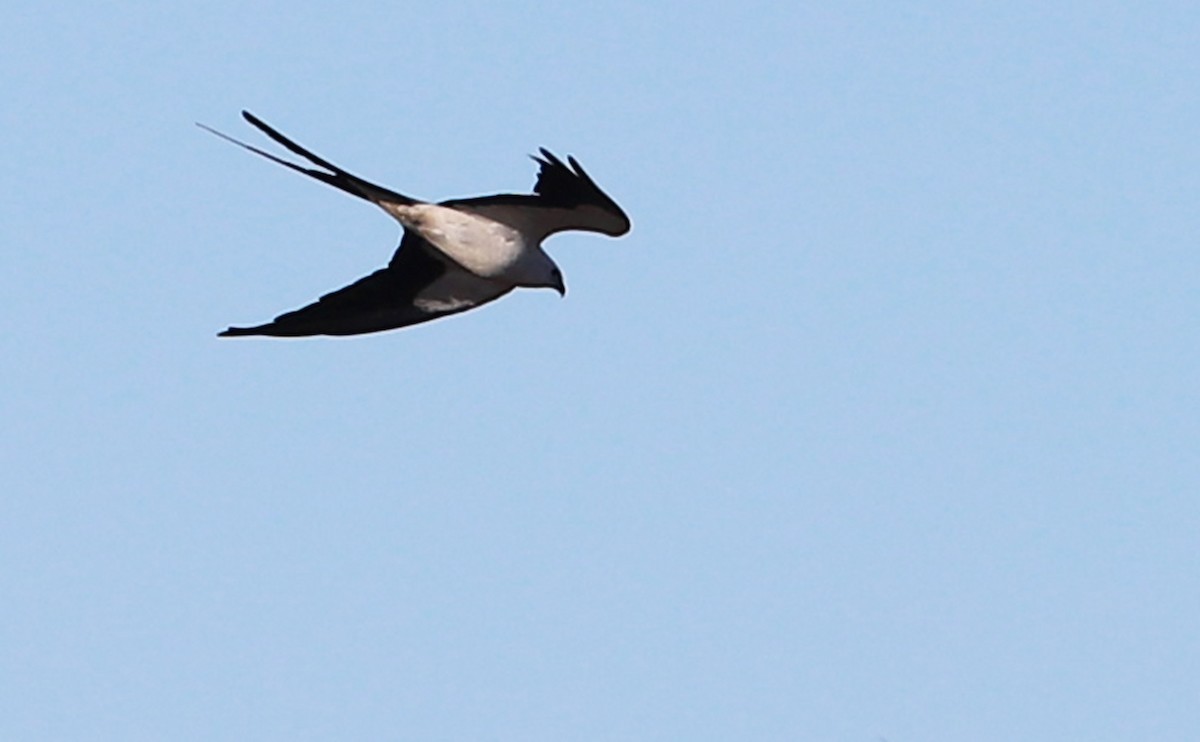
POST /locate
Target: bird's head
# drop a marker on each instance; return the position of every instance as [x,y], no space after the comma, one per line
[538,271]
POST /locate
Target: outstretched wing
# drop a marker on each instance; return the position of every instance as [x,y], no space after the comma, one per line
[415,287]
[568,186]
[330,173]
[565,197]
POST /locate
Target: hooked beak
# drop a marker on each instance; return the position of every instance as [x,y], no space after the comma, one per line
[561,287]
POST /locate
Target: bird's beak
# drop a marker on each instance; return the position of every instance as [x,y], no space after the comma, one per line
[561,287]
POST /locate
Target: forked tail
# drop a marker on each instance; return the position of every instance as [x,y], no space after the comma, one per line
[331,174]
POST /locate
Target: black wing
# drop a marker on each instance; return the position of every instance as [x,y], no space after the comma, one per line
[415,287]
[565,197]
[568,186]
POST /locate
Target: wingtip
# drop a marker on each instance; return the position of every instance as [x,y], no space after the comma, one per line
[552,158]
[579,169]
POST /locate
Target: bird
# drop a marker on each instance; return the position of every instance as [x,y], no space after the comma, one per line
[454,255]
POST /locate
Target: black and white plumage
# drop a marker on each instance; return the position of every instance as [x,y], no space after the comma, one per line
[455,255]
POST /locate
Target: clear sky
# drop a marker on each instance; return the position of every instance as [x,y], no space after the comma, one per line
[882,424]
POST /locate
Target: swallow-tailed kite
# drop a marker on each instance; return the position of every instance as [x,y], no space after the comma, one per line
[455,255]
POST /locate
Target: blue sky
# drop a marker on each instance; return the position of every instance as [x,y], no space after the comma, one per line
[881,424]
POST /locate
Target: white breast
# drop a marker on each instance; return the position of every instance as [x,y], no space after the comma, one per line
[483,246]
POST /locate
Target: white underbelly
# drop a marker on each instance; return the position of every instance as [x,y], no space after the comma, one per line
[483,246]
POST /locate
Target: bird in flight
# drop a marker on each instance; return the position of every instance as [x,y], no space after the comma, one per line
[454,255]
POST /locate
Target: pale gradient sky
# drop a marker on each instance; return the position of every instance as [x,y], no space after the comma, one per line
[881,424]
